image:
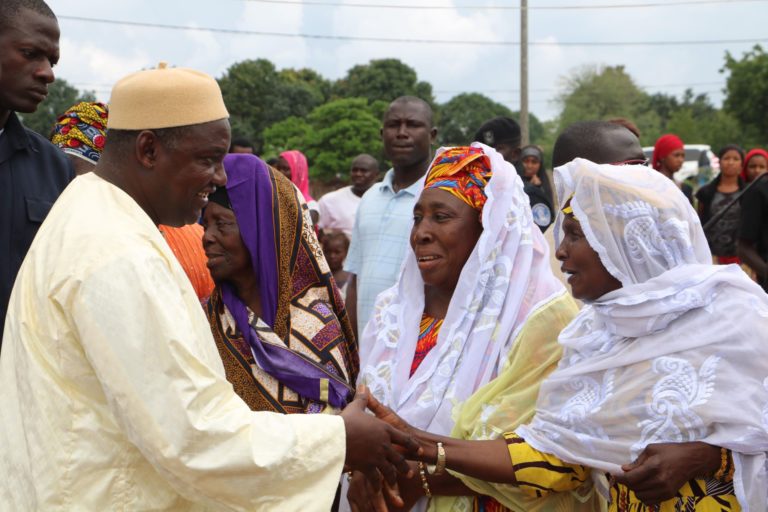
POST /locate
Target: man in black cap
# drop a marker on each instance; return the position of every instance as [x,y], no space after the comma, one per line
[503,135]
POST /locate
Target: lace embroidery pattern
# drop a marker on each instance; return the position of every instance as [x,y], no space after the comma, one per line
[646,236]
[589,395]
[671,412]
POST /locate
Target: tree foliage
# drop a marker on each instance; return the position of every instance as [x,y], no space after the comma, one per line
[331,136]
[462,115]
[384,80]
[331,122]
[61,96]
[695,119]
[606,93]
[747,92]
[258,96]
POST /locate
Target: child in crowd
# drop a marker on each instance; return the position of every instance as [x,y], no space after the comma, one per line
[335,246]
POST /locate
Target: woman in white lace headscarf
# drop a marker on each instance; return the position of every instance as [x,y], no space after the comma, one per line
[504,311]
[654,356]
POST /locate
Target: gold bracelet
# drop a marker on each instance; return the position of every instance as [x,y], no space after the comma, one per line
[439,468]
[725,473]
[424,483]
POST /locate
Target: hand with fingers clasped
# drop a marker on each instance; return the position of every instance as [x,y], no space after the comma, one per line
[365,496]
[662,469]
[378,495]
[375,448]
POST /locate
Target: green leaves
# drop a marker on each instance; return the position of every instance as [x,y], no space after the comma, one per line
[258,96]
[383,79]
[747,93]
[331,136]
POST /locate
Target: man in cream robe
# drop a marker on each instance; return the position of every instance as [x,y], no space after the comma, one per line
[113,392]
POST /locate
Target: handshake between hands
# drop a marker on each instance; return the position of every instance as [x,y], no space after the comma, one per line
[379,447]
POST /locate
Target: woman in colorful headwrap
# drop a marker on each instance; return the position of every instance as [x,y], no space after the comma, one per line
[276,314]
[669,157]
[654,357]
[81,133]
[716,195]
[293,165]
[755,164]
[476,304]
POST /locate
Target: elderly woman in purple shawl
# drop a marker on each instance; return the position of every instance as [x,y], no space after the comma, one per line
[276,313]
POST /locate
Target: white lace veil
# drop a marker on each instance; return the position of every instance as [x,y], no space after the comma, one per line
[678,354]
[505,277]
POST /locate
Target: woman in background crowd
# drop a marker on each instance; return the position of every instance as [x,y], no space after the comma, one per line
[535,171]
[293,164]
[668,158]
[276,316]
[755,164]
[717,194]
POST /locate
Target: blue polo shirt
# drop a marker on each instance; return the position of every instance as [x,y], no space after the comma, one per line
[379,241]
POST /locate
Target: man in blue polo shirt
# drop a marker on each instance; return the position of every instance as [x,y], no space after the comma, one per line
[33,172]
[385,216]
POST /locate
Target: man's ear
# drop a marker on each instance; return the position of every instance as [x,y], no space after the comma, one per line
[433,135]
[146,148]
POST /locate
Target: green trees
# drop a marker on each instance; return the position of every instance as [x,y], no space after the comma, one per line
[61,96]
[462,115]
[333,121]
[331,136]
[257,95]
[383,80]
[609,92]
[695,120]
[605,93]
[747,92]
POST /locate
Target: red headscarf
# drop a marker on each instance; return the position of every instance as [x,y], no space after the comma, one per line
[752,152]
[664,146]
[299,171]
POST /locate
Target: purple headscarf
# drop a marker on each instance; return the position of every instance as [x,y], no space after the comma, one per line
[250,190]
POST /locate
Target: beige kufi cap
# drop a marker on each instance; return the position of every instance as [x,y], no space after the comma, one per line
[164,98]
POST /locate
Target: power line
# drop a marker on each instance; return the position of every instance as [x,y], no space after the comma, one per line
[408,40]
[504,7]
[651,86]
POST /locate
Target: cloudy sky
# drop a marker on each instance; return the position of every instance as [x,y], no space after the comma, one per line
[95,54]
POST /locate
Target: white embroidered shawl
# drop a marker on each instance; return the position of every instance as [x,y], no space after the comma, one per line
[679,353]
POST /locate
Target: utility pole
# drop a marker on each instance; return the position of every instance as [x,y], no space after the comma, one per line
[524,72]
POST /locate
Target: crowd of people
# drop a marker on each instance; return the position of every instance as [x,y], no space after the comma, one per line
[187,328]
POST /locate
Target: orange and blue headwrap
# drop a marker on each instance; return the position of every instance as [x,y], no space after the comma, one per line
[463,172]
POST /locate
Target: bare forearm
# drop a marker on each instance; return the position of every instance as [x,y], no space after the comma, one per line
[448,485]
[484,460]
